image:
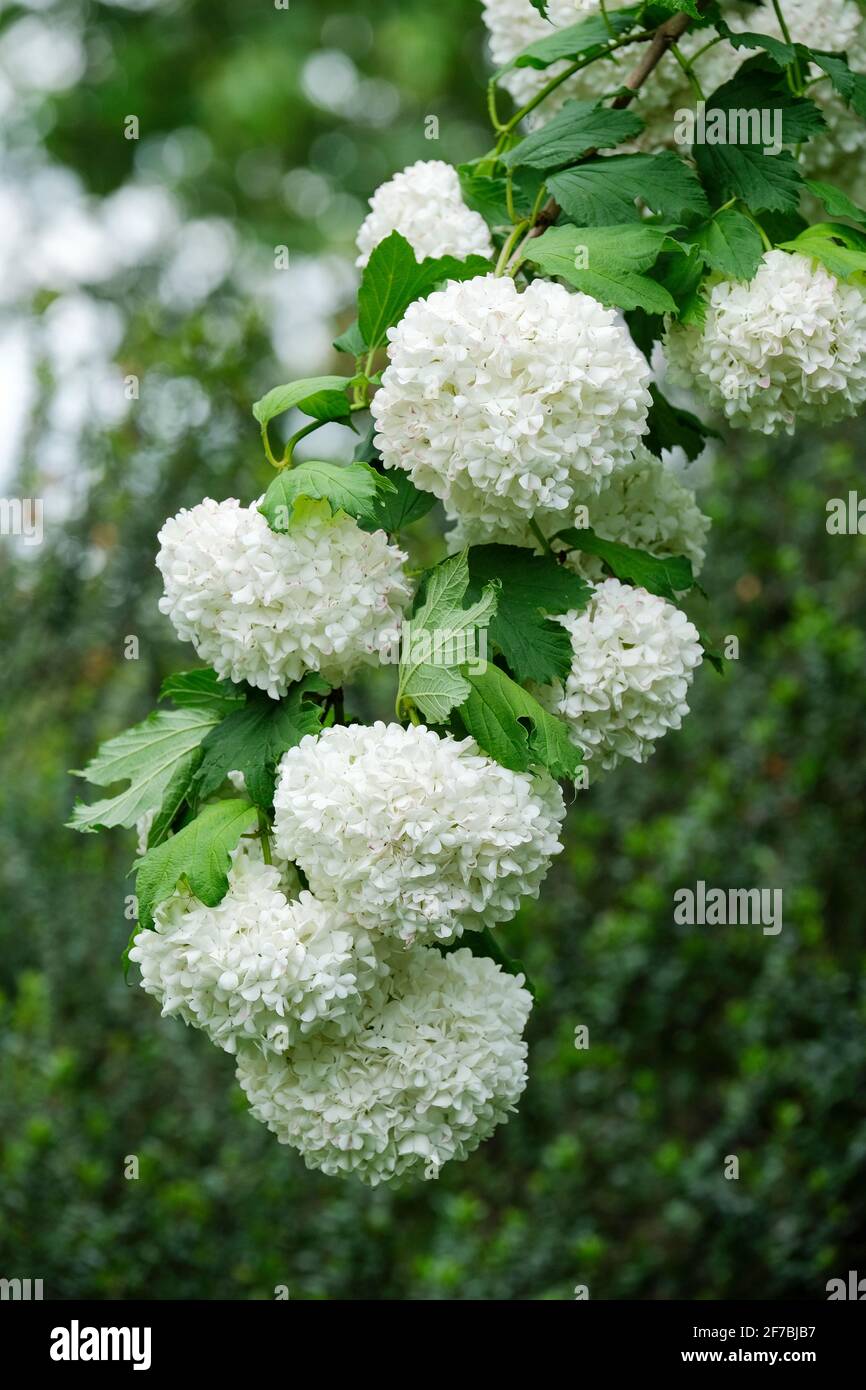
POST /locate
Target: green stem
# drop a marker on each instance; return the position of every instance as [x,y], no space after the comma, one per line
[508,247]
[607,22]
[555,82]
[265,837]
[286,461]
[509,196]
[540,536]
[335,702]
[706,48]
[797,84]
[267,447]
[747,212]
[688,70]
[491,106]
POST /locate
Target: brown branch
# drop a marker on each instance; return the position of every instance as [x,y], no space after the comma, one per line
[664,37]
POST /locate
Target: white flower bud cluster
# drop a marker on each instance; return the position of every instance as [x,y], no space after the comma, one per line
[428,1080]
[634,658]
[258,966]
[417,835]
[425,204]
[508,403]
[788,346]
[366,1057]
[645,505]
[265,608]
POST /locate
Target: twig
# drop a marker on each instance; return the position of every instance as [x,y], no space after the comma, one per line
[663,39]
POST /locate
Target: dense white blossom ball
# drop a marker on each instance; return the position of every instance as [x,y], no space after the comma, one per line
[416,834]
[265,608]
[788,345]
[634,658]
[259,966]
[428,1080]
[504,402]
[645,505]
[424,203]
[648,508]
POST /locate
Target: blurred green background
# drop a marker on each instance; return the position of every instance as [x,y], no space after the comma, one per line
[154,258]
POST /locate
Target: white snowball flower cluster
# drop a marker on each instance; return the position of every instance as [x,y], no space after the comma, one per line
[265,608]
[645,505]
[504,403]
[258,966]
[424,203]
[418,836]
[648,508]
[431,1076]
[634,658]
[790,345]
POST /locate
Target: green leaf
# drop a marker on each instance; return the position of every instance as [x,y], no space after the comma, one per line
[201,689]
[842,249]
[671,427]
[682,275]
[715,658]
[200,853]
[177,796]
[440,636]
[729,243]
[365,449]
[514,729]
[252,740]
[322,397]
[484,194]
[351,488]
[393,278]
[782,53]
[850,85]
[605,262]
[579,127]
[351,341]
[763,182]
[760,88]
[689,7]
[532,586]
[151,756]
[577,41]
[837,203]
[604,190]
[392,511]
[667,576]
